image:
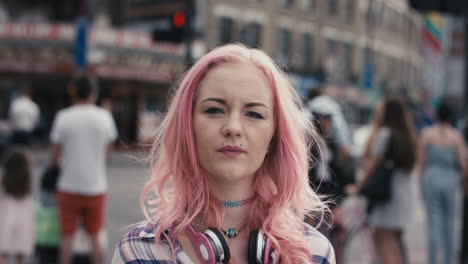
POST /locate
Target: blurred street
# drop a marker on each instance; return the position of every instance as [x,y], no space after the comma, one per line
[373,76]
[127,175]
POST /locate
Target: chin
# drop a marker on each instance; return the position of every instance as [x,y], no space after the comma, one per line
[230,175]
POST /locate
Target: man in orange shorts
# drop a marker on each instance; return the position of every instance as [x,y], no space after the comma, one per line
[82,136]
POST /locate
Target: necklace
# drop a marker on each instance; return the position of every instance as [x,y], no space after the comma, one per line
[232,232]
[239,203]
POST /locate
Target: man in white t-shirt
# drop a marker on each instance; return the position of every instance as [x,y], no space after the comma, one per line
[82,137]
[24,118]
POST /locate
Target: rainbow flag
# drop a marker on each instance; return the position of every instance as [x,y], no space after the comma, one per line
[432,31]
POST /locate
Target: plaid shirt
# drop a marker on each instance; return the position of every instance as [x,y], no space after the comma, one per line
[138,246]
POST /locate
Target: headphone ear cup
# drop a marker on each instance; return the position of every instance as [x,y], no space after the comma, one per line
[219,239]
[253,246]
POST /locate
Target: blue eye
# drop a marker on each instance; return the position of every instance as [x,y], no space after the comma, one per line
[254,115]
[213,111]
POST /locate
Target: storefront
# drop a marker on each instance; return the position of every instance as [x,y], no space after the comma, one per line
[134,74]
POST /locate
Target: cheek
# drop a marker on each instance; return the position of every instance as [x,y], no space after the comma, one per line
[204,143]
[262,142]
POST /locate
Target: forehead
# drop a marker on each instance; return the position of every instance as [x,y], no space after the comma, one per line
[236,80]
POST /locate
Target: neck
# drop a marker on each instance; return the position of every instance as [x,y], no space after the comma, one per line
[443,125]
[229,191]
[83,102]
[234,217]
[232,191]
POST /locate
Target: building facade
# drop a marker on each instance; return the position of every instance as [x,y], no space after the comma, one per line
[371,44]
[336,38]
[38,51]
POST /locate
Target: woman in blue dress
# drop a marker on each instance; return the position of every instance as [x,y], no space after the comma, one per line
[442,156]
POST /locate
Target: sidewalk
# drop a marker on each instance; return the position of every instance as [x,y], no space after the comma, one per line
[119,157]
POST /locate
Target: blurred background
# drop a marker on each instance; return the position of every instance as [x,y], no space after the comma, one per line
[356,51]
[138,49]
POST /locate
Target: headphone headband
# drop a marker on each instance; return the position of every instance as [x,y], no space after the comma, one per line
[220,254]
[212,248]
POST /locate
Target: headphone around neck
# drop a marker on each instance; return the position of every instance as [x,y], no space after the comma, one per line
[212,247]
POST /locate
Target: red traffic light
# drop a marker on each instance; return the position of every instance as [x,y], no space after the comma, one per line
[178,19]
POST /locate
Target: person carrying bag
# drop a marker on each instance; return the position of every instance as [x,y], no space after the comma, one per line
[377,187]
[389,159]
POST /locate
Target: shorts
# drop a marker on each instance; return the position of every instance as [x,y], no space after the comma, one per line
[75,207]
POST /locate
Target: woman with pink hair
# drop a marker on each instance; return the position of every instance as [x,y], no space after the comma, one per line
[230,175]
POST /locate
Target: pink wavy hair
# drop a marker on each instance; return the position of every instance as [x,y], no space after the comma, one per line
[178,189]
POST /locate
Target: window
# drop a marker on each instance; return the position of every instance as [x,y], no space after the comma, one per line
[370,14]
[250,35]
[284,46]
[332,8]
[287,3]
[307,6]
[331,47]
[347,59]
[226,30]
[349,11]
[306,50]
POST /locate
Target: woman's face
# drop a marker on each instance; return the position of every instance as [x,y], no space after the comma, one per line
[233,122]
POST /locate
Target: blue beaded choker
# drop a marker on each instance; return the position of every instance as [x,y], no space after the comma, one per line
[234,204]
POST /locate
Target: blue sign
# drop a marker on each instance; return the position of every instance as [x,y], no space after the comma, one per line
[368,77]
[81,43]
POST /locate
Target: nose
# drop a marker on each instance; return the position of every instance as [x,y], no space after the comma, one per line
[232,127]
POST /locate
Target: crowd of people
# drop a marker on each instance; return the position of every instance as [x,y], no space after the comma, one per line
[431,162]
[72,189]
[243,171]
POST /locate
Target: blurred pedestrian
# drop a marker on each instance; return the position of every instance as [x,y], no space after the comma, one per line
[340,129]
[442,164]
[47,222]
[464,237]
[335,177]
[392,138]
[82,137]
[24,118]
[16,207]
[230,175]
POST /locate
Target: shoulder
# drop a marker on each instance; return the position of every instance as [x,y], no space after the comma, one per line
[64,112]
[457,137]
[320,247]
[384,131]
[134,245]
[382,135]
[61,114]
[426,134]
[102,112]
[138,246]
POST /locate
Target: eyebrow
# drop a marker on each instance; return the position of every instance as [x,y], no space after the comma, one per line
[222,101]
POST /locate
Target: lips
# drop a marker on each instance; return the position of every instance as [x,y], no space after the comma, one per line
[231,151]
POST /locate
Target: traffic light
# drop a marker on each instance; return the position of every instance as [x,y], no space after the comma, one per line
[171,28]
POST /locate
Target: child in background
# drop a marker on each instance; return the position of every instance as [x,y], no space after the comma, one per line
[16,207]
[47,225]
